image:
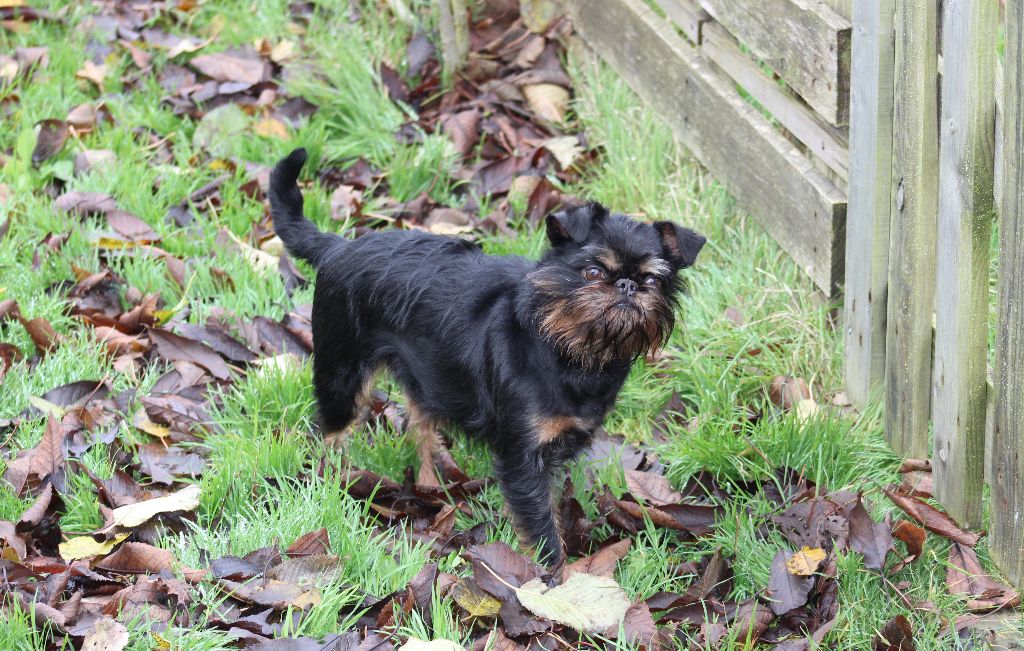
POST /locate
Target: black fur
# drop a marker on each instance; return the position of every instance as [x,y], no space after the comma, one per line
[526,355]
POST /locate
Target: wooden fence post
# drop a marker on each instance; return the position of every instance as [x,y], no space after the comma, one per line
[911,300]
[870,197]
[966,165]
[1007,526]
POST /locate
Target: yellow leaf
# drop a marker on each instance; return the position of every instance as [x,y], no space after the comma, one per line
[806,561]
[46,406]
[473,600]
[87,547]
[141,421]
[271,128]
[282,51]
[11,3]
[10,555]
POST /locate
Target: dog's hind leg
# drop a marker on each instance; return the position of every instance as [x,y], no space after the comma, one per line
[342,377]
[429,444]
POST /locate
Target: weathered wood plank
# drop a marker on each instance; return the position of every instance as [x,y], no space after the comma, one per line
[687,16]
[911,299]
[843,7]
[867,222]
[824,140]
[1006,529]
[768,176]
[966,160]
[804,41]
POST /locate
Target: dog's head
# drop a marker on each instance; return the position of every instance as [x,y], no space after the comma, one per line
[607,288]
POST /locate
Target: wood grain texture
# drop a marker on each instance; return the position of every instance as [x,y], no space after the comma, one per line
[1007,523]
[867,222]
[824,141]
[966,165]
[769,177]
[806,42]
[911,298]
[687,15]
[843,7]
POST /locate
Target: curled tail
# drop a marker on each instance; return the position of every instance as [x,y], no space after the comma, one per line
[301,238]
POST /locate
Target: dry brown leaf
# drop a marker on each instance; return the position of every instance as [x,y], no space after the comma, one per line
[93,72]
[548,101]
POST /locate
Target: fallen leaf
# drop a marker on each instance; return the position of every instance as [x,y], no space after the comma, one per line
[82,117]
[473,600]
[966,576]
[931,518]
[896,635]
[587,603]
[260,261]
[500,570]
[223,66]
[92,72]
[565,149]
[786,392]
[221,130]
[651,488]
[308,571]
[174,347]
[603,562]
[85,203]
[548,101]
[345,202]
[913,537]
[132,515]
[870,538]
[786,590]
[416,644]
[137,558]
[806,561]
[86,547]
[314,542]
[131,227]
[50,140]
[271,127]
[91,160]
[463,128]
[448,221]
[106,635]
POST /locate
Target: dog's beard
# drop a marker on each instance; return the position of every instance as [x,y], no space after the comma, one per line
[595,324]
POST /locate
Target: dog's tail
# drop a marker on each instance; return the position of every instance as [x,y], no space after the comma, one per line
[300,236]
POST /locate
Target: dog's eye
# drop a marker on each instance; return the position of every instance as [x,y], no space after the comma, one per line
[652,281]
[594,273]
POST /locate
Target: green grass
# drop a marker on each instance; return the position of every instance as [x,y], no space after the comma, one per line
[260,490]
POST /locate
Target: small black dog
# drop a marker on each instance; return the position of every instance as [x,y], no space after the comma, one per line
[527,356]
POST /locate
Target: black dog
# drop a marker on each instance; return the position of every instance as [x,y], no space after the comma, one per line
[528,356]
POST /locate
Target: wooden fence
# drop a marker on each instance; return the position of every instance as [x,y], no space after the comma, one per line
[903,106]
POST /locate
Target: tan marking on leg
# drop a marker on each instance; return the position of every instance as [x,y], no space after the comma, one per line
[549,428]
[428,444]
[363,403]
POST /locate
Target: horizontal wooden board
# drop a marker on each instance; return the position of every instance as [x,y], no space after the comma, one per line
[825,141]
[687,16]
[769,177]
[806,42]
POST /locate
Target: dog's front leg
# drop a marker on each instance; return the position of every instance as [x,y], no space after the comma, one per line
[525,480]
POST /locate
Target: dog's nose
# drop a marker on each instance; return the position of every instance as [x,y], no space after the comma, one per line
[627,286]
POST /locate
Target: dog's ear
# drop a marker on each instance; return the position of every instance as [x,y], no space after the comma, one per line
[681,245]
[574,224]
